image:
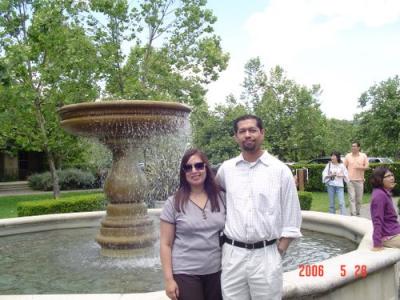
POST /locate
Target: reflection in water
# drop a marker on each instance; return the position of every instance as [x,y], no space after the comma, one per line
[69,261]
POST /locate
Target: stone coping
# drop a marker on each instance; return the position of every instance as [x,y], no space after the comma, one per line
[295,286]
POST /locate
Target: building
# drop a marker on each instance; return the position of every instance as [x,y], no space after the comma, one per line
[20,166]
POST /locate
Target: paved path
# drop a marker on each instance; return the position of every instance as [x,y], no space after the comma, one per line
[365,209]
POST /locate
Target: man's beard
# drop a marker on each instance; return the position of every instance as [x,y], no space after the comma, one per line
[249,148]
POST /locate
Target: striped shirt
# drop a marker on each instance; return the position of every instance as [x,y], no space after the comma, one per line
[261,199]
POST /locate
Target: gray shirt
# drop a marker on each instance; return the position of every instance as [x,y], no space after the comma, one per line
[196,249]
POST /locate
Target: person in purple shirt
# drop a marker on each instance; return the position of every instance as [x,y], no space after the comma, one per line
[383,214]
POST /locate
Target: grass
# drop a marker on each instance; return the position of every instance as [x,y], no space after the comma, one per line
[8,204]
[320,201]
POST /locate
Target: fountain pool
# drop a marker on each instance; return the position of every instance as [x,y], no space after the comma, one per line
[69,261]
[382,267]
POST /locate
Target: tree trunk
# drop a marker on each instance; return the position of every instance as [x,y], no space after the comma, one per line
[50,157]
[53,172]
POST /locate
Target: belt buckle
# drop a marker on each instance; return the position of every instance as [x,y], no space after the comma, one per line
[249,246]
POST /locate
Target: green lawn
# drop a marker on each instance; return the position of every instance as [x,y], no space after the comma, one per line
[320,201]
[8,204]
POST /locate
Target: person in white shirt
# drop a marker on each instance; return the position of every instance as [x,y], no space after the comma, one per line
[263,217]
[334,176]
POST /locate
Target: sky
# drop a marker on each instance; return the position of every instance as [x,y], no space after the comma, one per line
[346,46]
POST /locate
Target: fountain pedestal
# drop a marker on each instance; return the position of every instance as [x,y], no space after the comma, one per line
[122,126]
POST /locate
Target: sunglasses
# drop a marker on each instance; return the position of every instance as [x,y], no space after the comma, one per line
[197,166]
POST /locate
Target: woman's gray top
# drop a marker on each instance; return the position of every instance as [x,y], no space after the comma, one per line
[195,249]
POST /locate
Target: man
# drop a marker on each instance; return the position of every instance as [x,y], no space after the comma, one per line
[356,163]
[263,216]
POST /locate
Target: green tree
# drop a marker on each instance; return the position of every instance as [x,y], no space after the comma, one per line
[214,130]
[294,123]
[339,136]
[379,123]
[46,62]
[174,54]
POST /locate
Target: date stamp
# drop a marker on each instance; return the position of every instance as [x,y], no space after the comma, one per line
[316,270]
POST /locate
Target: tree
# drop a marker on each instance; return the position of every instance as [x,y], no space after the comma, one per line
[294,123]
[59,52]
[379,123]
[339,136]
[47,61]
[214,130]
[174,52]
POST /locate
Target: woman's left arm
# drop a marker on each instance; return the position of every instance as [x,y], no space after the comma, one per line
[377,217]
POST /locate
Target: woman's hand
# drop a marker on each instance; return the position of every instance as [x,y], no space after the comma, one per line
[171,289]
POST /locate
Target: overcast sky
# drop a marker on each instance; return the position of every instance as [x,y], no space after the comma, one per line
[346,46]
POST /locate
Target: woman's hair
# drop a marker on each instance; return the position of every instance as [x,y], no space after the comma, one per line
[337,154]
[377,176]
[211,187]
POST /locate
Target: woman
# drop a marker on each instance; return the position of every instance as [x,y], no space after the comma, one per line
[189,233]
[383,214]
[334,176]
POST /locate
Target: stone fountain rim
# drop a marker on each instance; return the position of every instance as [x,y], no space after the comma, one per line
[124,104]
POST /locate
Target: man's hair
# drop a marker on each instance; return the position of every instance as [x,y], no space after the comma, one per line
[357,143]
[247,117]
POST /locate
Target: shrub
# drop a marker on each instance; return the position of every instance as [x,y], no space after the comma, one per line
[315,183]
[68,179]
[305,200]
[80,203]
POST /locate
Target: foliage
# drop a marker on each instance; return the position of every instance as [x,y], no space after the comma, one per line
[82,203]
[175,50]
[8,203]
[214,130]
[315,183]
[61,52]
[379,123]
[47,61]
[69,179]
[339,136]
[295,126]
[305,199]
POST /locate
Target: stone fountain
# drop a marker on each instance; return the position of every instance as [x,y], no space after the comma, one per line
[122,126]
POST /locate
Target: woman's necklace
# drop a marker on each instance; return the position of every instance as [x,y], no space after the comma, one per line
[203,210]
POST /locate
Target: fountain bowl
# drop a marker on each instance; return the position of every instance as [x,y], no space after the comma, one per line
[122,118]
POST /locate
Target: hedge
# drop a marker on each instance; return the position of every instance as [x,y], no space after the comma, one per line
[68,179]
[315,184]
[80,203]
[305,200]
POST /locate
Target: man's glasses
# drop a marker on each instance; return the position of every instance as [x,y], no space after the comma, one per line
[197,166]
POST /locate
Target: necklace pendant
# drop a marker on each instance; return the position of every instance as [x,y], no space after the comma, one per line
[204,215]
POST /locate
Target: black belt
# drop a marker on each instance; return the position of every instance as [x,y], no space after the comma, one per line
[257,245]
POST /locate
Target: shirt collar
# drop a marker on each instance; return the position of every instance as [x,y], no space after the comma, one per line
[264,158]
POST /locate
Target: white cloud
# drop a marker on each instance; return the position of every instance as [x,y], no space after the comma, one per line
[346,46]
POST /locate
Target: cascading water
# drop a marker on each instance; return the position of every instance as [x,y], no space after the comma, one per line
[124,126]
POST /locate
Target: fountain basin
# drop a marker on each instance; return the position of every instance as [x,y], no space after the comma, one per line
[123,126]
[122,118]
[381,281]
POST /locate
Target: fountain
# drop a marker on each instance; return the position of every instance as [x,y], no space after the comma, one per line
[122,126]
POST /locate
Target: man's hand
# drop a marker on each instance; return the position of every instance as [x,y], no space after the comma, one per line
[171,289]
[283,244]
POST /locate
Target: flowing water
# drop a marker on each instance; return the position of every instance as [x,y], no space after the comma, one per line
[68,261]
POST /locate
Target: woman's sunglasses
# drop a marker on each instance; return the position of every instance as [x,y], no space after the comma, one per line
[197,166]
